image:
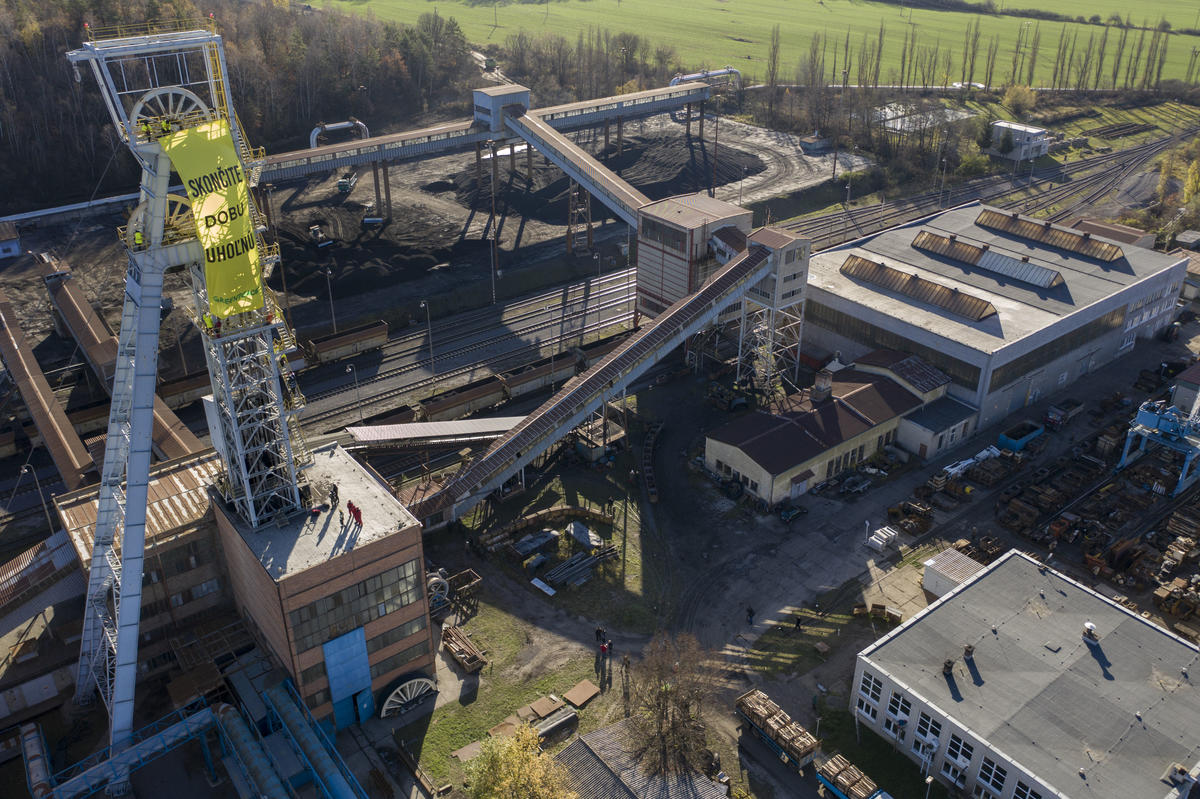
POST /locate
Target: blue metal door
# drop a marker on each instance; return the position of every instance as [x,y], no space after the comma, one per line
[365,704]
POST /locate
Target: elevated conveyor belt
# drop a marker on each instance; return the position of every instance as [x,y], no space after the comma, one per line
[602,182]
[66,449]
[584,394]
[458,136]
[171,438]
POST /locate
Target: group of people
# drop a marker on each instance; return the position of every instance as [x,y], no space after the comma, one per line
[604,642]
[151,131]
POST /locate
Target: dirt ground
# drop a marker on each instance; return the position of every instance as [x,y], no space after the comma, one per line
[436,243]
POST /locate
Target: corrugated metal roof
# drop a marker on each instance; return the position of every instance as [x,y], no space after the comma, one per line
[601,767]
[955,565]
[176,498]
[916,287]
[1047,233]
[416,430]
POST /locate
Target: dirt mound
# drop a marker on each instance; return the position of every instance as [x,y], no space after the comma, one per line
[658,165]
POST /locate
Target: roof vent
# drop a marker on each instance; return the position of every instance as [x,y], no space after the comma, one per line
[948,667]
[968,652]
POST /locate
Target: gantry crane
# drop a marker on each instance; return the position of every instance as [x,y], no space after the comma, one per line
[159,81]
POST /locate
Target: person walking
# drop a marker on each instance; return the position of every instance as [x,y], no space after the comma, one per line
[609,647]
[750,616]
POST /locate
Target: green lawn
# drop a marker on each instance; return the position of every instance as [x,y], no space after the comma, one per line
[719,32]
[877,757]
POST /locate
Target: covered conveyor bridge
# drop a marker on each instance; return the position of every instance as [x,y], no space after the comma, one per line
[583,395]
[417,435]
[603,184]
[171,437]
[70,456]
[458,136]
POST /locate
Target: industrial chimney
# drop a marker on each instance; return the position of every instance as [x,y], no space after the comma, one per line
[823,387]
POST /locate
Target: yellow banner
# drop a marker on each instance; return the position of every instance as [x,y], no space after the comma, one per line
[206,158]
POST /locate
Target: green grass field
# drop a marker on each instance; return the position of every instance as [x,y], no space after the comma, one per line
[718,32]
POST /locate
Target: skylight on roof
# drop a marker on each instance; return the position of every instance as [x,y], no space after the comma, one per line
[980,255]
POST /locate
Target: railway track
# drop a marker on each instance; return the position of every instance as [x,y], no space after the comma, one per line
[1088,180]
[507,360]
[451,336]
[835,228]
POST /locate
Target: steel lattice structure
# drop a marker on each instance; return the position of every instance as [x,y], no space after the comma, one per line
[156,78]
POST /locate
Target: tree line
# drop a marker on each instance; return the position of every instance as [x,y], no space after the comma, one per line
[288,70]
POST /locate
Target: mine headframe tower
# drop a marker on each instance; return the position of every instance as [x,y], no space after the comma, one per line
[157,80]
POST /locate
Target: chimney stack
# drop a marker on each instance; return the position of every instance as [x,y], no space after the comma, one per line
[823,386]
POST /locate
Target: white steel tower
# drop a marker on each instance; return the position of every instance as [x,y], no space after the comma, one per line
[156,81]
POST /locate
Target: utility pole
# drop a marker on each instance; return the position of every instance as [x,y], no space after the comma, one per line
[329,285]
[429,330]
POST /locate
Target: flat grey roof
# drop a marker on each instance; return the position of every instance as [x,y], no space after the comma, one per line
[692,210]
[309,539]
[1044,697]
[1021,308]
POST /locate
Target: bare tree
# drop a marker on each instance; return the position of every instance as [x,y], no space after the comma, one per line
[773,71]
[670,687]
[1033,53]
[989,70]
[1116,70]
[1100,58]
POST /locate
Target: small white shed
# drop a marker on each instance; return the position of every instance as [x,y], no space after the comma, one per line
[948,570]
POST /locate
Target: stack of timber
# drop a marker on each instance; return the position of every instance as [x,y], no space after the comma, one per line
[577,569]
[648,460]
[776,725]
[847,778]
[462,649]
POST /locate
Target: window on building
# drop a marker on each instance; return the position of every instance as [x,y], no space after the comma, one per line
[317,698]
[176,600]
[928,729]
[959,750]
[877,338]
[312,673]
[1023,791]
[953,773]
[870,686]
[754,486]
[205,588]
[899,706]
[992,775]
[355,606]
[894,727]
[396,634]
[867,709]
[397,660]
[941,437]
[981,792]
